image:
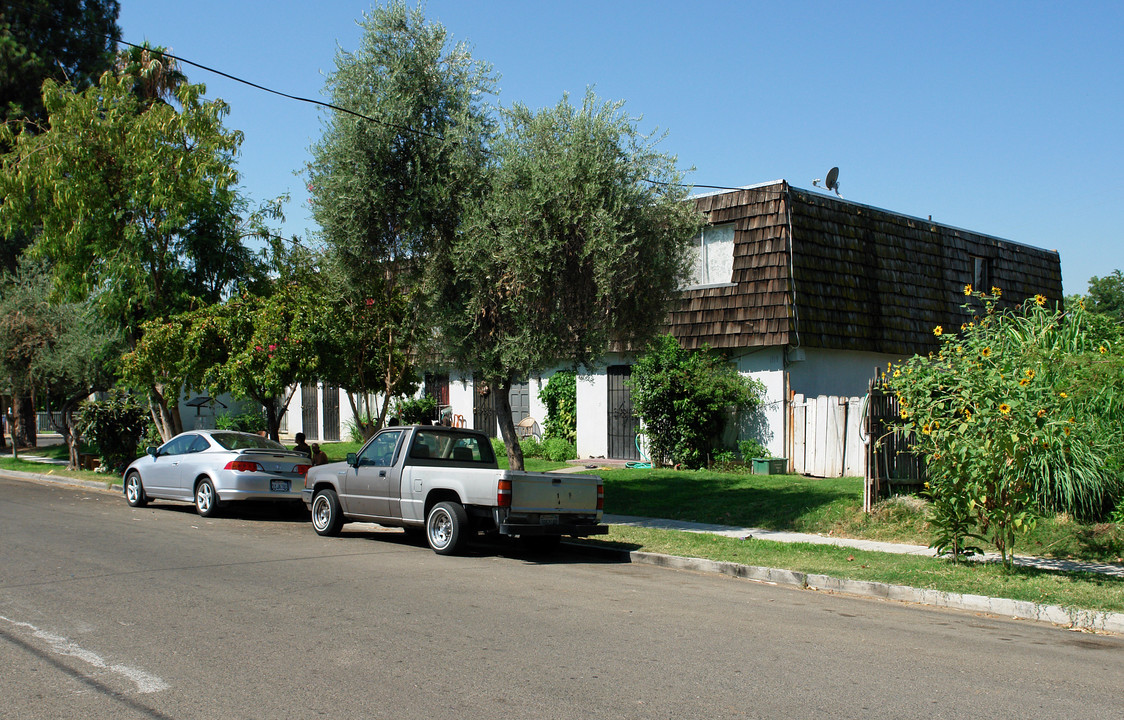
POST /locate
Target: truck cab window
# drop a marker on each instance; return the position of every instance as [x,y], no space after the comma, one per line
[380,451]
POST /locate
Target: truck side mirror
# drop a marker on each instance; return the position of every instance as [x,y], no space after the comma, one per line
[351,459]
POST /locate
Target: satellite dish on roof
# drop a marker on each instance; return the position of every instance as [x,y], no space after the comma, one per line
[832,182]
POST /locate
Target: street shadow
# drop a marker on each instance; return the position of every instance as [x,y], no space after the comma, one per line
[494,545]
[255,510]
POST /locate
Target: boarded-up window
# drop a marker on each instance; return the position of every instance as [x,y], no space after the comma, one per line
[712,262]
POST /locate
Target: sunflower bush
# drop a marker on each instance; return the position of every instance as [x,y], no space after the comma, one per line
[1018,413]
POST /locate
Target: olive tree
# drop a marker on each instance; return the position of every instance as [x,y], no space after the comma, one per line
[390,180]
[577,246]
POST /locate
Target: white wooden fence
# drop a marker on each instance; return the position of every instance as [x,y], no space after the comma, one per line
[825,438]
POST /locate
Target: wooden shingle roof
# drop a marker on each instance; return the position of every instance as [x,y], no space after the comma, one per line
[816,271]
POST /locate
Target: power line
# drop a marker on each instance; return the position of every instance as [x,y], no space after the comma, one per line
[337,108]
[282,94]
[402,128]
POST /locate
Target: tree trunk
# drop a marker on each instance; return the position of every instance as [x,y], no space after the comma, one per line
[3,422]
[28,421]
[500,389]
[272,419]
[362,415]
[166,415]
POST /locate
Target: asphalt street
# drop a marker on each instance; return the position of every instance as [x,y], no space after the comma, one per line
[113,612]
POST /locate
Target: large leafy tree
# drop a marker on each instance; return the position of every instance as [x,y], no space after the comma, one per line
[68,41]
[1106,295]
[268,346]
[131,201]
[390,183]
[578,246]
[60,349]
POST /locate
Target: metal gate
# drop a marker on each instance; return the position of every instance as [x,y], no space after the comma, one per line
[890,461]
[331,413]
[437,387]
[310,411]
[623,422]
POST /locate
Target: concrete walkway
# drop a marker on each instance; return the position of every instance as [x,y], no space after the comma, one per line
[41,459]
[1114,569]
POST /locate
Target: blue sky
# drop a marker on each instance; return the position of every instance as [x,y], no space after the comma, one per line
[1000,117]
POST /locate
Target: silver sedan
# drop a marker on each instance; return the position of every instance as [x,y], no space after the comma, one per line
[211,467]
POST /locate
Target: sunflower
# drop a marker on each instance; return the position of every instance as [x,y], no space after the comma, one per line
[986,352]
[996,291]
[968,289]
[938,331]
[1039,300]
[1005,408]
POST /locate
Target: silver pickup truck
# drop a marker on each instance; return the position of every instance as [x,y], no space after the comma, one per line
[445,481]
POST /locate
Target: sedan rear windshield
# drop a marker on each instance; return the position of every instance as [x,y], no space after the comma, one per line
[238,441]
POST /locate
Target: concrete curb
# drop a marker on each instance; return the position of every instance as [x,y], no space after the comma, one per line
[1094,620]
[111,482]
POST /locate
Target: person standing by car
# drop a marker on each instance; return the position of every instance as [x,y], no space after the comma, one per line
[301,445]
[319,457]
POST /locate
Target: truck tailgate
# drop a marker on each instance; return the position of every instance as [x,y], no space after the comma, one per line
[553,493]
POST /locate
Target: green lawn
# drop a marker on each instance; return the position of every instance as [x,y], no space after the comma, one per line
[825,506]
[1076,590]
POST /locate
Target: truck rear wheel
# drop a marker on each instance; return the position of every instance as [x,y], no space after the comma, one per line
[327,517]
[445,527]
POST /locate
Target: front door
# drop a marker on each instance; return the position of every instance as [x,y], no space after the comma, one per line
[623,423]
[484,408]
[369,486]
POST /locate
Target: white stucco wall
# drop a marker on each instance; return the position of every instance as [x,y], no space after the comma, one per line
[835,372]
[767,423]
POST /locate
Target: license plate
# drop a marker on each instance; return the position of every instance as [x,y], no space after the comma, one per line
[279,486]
[548,519]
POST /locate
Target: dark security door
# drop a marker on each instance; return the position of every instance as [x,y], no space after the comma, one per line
[484,408]
[623,424]
[331,412]
[310,411]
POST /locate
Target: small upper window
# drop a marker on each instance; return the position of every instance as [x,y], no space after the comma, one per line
[981,273]
[712,261]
